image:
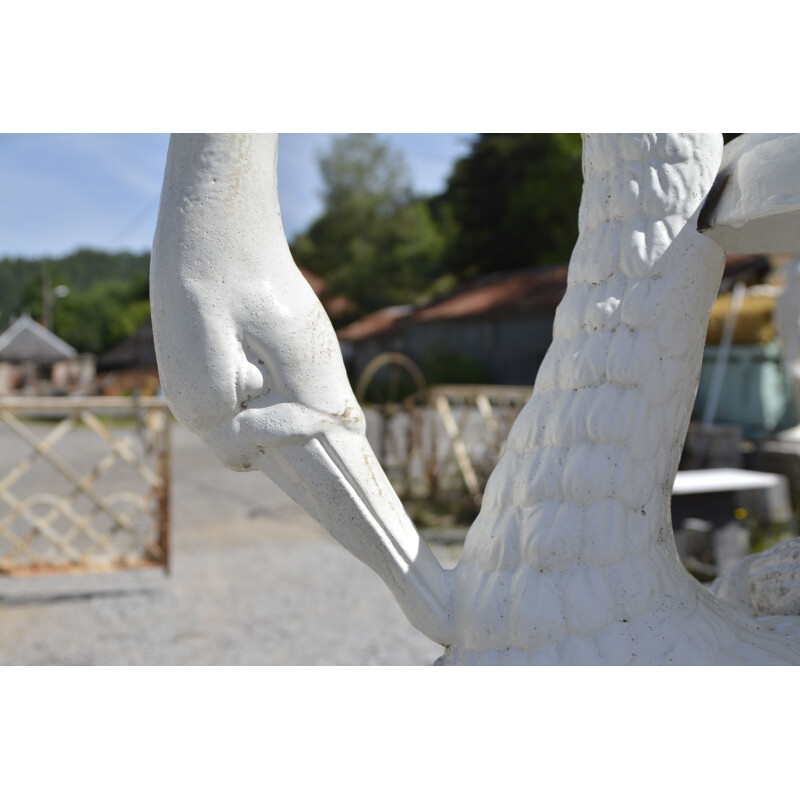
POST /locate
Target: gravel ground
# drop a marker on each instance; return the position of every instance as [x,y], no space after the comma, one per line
[253,581]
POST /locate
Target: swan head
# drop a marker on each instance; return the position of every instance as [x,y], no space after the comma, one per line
[243,344]
[249,361]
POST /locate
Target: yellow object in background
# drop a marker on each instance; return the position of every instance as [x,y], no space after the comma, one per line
[753,324]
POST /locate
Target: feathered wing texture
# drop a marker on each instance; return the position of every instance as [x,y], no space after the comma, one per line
[572,558]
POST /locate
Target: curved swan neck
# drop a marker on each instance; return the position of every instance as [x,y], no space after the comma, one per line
[250,361]
[244,161]
[223,185]
[591,460]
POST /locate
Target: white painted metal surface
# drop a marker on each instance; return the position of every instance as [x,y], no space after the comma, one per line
[703,481]
[755,206]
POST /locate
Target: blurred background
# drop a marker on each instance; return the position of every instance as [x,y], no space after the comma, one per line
[440,259]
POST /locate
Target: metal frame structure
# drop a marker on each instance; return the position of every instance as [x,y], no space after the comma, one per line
[81,526]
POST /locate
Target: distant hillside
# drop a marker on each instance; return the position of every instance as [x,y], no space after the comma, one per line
[107,298]
[21,278]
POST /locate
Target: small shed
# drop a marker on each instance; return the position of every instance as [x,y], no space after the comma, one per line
[500,323]
[130,365]
[34,360]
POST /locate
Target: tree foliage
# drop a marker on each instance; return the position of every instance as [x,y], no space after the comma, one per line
[361,168]
[512,202]
[93,321]
[374,242]
[108,295]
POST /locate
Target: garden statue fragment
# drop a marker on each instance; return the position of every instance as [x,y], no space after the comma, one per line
[572,558]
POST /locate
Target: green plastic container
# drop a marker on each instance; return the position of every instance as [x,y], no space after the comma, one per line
[756,393]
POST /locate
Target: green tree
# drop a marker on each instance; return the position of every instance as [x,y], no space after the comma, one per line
[91,319]
[374,243]
[96,319]
[512,202]
[21,278]
[361,168]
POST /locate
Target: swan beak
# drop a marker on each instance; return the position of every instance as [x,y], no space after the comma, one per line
[336,478]
[754,204]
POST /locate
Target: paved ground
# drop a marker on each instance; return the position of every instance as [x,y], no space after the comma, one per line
[254,581]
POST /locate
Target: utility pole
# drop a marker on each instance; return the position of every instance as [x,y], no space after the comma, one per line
[47,299]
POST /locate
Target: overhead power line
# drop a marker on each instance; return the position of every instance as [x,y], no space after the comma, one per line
[137,220]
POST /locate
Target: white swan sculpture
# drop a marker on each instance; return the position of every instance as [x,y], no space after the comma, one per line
[572,558]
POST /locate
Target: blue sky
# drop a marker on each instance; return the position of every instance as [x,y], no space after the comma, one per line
[59,192]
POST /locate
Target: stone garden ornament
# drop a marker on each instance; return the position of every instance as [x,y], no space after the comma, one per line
[572,558]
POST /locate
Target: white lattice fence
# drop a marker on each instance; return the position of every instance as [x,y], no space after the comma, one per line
[476,421]
[84,484]
[452,440]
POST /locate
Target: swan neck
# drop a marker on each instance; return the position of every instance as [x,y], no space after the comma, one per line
[591,460]
[220,197]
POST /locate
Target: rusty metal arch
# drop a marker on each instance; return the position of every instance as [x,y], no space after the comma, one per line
[396,359]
